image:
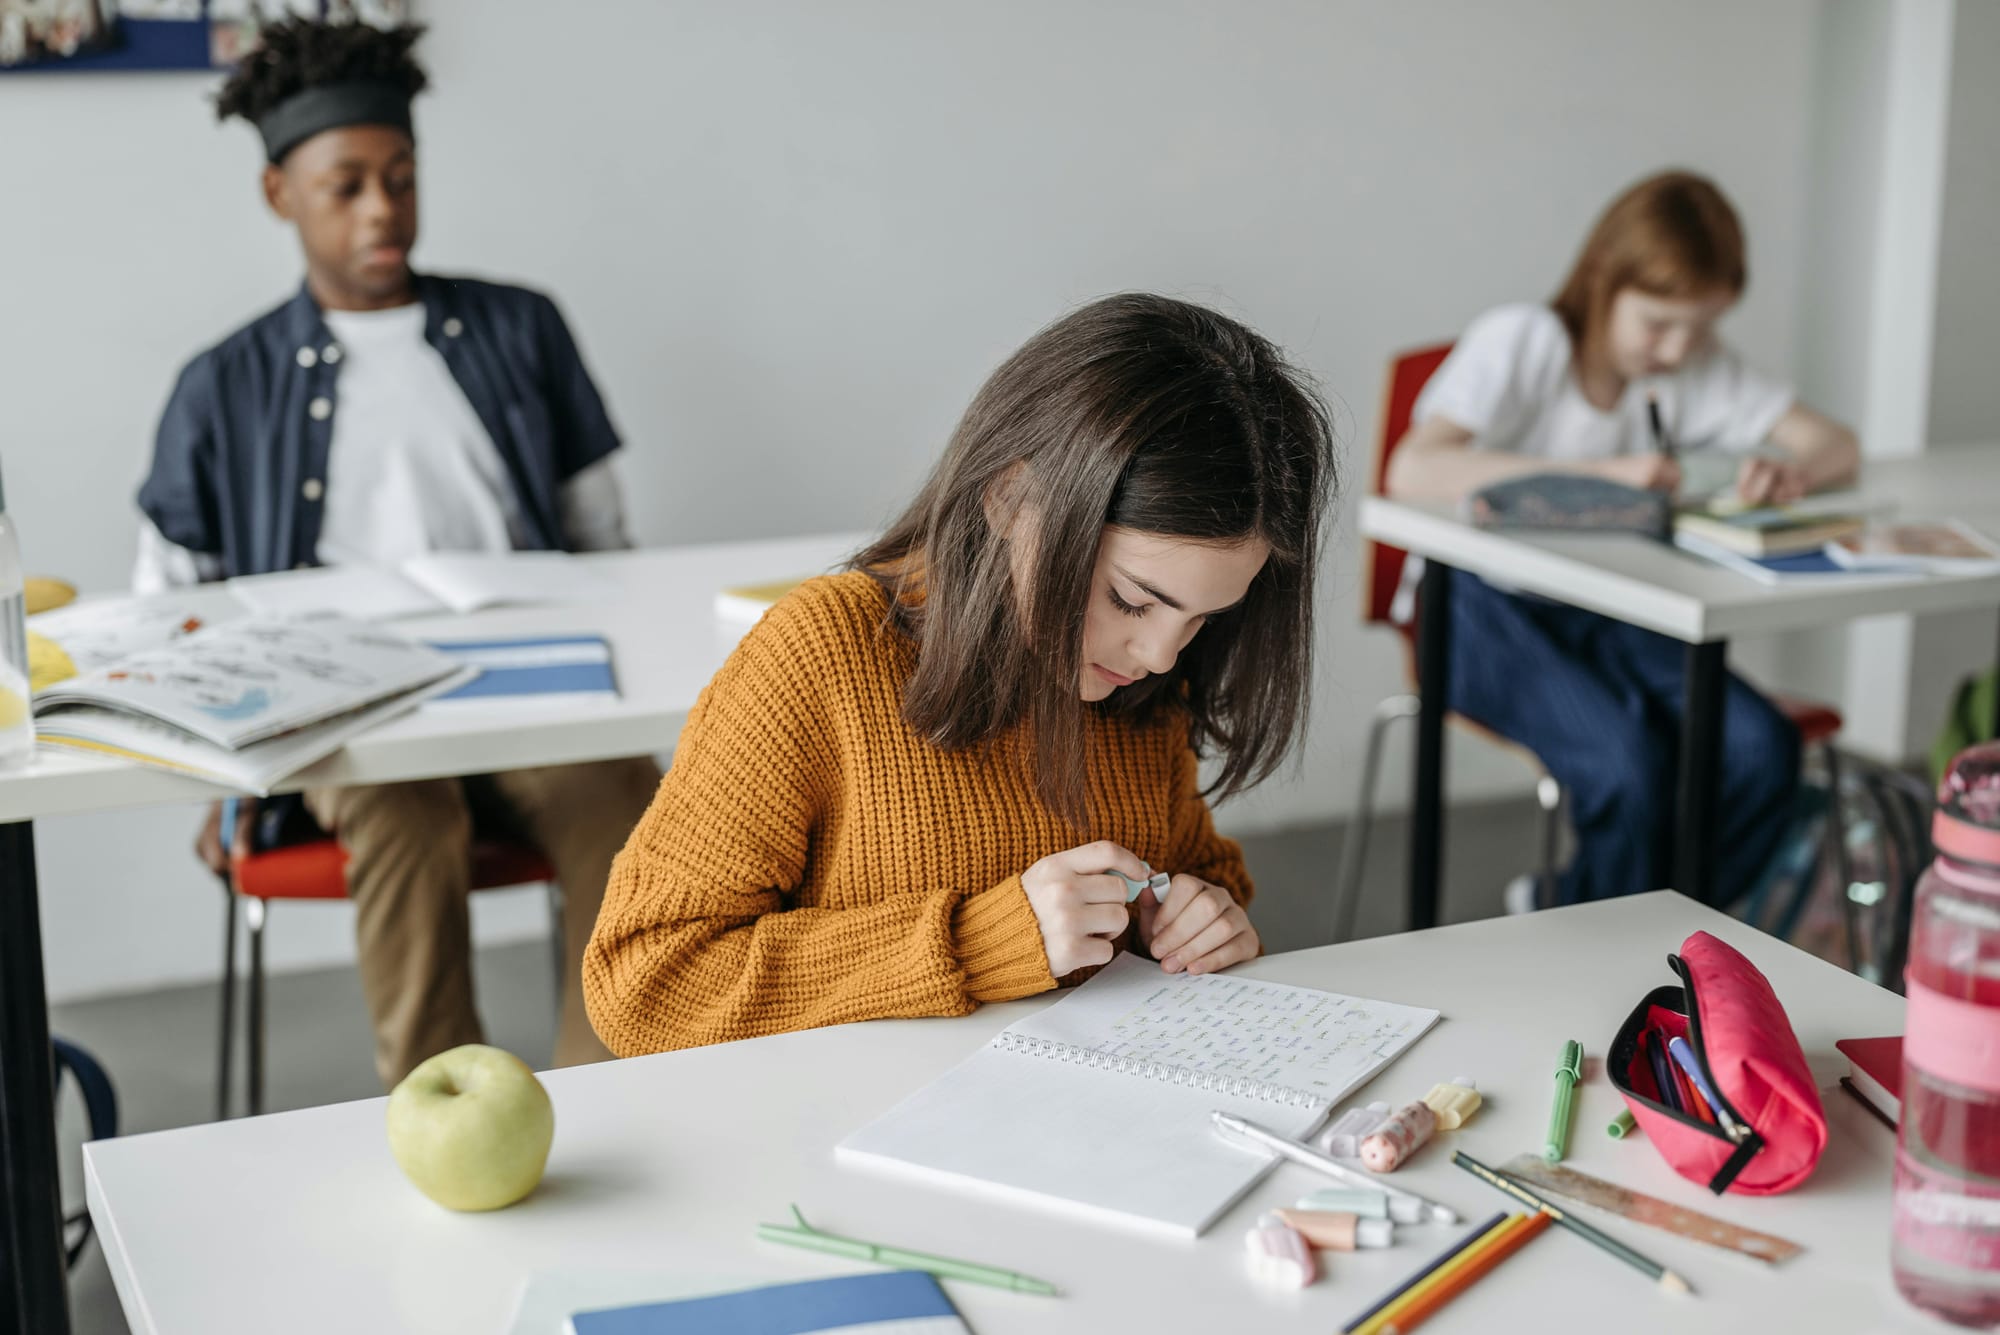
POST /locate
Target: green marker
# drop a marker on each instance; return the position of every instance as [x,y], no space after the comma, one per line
[805,1235]
[1622,1125]
[1568,1075]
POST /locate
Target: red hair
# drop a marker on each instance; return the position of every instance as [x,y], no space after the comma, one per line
[1671,235]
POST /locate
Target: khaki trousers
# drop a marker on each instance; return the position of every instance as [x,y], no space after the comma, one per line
[409,874]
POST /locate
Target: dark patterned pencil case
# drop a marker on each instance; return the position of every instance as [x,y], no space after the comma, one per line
[1568,501]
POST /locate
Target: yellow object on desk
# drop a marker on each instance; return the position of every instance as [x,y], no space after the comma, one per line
[1454,1103]
[47,663]
[44,594]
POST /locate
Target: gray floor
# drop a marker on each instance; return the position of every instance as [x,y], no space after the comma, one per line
[160,1046]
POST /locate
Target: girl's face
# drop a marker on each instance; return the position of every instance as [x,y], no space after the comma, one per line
[1151,594]
[1649,335]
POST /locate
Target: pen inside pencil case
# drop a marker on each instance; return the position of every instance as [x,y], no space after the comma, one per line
[1641,1065]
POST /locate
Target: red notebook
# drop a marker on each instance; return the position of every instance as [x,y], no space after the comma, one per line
[1876,1067]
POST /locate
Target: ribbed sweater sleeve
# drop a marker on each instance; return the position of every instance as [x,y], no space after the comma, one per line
[700,938]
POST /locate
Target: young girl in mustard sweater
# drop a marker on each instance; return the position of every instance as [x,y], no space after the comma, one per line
[907,790]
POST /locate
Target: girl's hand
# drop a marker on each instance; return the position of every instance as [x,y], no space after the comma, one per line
[1199,929]
[1770,482]
[1079,905]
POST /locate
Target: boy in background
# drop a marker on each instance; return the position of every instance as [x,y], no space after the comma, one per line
[378,414]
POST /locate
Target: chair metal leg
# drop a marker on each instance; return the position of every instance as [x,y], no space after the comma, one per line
[1354,849]
[254,1058]
[225,1043]
[1549,794]
[558,955]
[1835,828]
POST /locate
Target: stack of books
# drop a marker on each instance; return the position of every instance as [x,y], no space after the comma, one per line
[1768,543]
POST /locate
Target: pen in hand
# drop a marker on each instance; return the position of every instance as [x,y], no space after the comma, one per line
[1661,440]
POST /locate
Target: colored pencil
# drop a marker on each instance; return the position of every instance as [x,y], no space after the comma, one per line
[1442,1275]
[1441,1260]
[1666,1278]
[1691,1098]
[1418,1308]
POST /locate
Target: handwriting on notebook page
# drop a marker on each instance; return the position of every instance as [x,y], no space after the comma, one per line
[1306,1040]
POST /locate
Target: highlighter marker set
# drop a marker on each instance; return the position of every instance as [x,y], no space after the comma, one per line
[1280,1248]
[1283,1247]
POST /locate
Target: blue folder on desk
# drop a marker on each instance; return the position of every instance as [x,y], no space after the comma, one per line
[1803,567]
[548,668]
[910,1298]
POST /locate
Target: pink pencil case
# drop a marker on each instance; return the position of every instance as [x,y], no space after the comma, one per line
[1744,1045]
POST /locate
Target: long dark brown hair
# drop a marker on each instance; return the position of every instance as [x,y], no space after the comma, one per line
[1155,415]
[1670,235]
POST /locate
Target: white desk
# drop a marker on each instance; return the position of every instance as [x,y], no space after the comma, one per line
[1663,589]
[666,643]
[301,1221]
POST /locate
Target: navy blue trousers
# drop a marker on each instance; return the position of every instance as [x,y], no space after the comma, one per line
[1599,702]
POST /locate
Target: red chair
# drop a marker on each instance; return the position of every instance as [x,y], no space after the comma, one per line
[311,864]
[1818,724]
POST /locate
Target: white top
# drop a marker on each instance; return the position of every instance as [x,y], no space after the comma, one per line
[1511,381]
[410,468]
[301,1221]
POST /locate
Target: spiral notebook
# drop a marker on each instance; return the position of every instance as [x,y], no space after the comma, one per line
[1100,1103]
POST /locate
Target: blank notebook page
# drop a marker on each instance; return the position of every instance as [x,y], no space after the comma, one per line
[1100,1103]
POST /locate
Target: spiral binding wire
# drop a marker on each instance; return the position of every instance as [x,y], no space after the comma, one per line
[1233,1086]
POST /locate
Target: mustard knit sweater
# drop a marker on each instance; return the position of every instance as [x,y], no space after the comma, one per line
[810,860]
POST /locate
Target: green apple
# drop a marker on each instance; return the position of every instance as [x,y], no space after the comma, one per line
[471,1127]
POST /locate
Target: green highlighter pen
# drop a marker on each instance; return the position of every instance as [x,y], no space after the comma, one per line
[1567,1077]
[805,1235]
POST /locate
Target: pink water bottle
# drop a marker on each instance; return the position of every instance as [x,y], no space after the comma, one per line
[1946,1239]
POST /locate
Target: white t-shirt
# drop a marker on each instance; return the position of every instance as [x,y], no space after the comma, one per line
[410,468]
[1511,381]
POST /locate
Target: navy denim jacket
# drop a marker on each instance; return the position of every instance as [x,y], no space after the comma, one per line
[239,465]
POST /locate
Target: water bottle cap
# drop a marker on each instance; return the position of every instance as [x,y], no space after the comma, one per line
[1956,837]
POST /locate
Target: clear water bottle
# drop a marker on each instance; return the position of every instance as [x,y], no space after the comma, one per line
[1946,1236]
[17,724]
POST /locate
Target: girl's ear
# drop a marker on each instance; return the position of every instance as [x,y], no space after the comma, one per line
[1004,499]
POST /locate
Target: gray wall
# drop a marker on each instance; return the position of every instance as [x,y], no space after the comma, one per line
[793,237]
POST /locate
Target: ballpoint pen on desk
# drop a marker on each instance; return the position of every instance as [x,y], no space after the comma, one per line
[1645,1265]
[805,1235]
[1241,1132]
[1568,1075]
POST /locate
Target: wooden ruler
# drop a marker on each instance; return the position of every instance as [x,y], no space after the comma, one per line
[1640,1208]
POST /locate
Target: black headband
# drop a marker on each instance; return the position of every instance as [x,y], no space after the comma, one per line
[328,107]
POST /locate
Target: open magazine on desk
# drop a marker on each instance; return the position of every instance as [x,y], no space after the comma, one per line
[244,702]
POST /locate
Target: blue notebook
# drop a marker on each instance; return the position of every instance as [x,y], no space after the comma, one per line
[1805,567]
[568,668]
[909,1298]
